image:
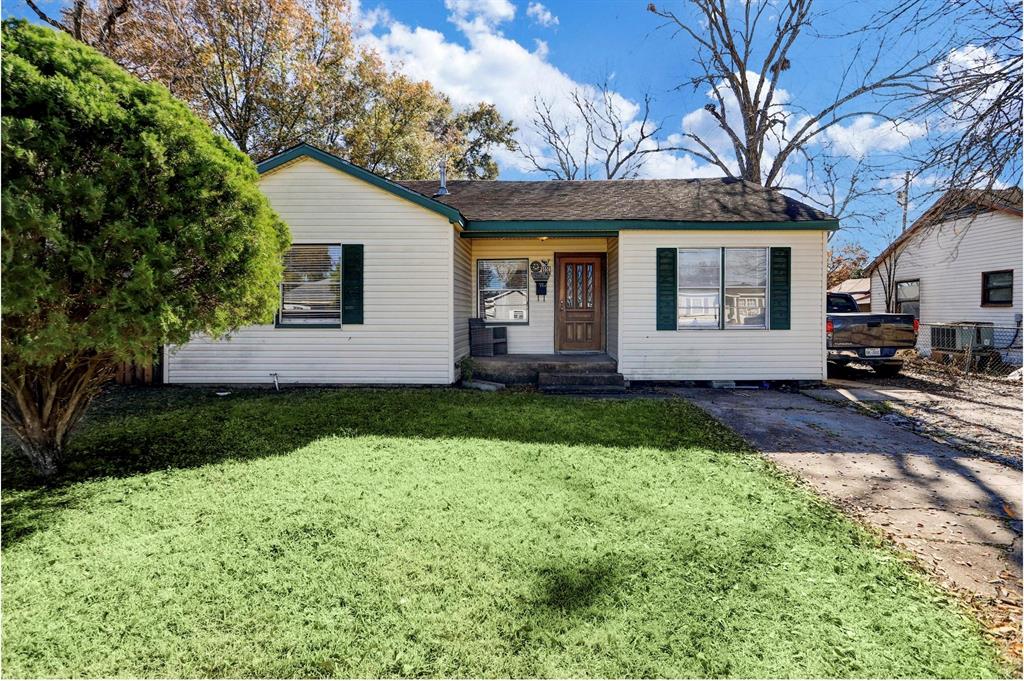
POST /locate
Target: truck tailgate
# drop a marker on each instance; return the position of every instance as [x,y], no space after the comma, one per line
[873,330]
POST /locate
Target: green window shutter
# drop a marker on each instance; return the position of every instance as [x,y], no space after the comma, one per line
[352,284]
[780,261]
[666,289]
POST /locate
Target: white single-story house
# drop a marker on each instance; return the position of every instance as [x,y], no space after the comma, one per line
[699,279]
[960,263]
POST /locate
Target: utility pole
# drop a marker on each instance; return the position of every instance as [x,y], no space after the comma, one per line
[903,197]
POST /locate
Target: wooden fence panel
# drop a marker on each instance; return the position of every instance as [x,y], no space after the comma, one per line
[134,373]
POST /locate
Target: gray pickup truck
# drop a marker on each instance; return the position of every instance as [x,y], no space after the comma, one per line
[867,337]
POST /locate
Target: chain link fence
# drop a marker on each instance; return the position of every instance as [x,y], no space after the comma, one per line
[972,348]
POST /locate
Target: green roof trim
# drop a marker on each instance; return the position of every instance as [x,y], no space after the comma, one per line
[476,228]
[309,151]
[512,234]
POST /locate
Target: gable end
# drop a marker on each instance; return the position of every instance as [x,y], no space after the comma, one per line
[309,151]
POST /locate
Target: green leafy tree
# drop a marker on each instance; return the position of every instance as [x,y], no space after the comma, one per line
[270,73]
[127,223]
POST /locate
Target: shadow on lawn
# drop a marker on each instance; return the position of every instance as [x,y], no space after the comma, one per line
[567,588]
[130,431]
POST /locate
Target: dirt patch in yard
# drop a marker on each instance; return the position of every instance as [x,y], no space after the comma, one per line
[978,413]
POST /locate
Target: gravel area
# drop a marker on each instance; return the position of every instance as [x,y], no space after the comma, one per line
[978,413]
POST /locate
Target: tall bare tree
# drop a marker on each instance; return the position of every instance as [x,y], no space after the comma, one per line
[742,51]
[596,139]
[971,100]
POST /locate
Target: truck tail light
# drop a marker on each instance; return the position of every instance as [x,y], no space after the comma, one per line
[917,326]
[829,327]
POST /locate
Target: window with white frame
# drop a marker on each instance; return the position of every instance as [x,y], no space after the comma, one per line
[746,288]
[908,297]
[503,293]
[700,285]
[709,300]
[311,288]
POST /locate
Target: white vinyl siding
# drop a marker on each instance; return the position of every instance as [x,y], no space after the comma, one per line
[612,287]
[407,334]
[948,261]
[720,354]
[463,293]
[539,335]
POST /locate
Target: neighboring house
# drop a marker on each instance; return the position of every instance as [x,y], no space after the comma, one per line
[960,262]
[703,279]
[859,288]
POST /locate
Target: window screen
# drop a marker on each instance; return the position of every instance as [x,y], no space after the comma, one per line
[908,297]
[503,293]
[746,287]
[700,284]
[311,290]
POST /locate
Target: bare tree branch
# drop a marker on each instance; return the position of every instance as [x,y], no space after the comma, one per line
[45,17]
[594,139]
[728,43]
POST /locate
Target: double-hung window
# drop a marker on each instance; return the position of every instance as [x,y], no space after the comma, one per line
[503,293]
[700,287]
[311,289]
[746,288]
[908,297]
[708,300]
[997,288]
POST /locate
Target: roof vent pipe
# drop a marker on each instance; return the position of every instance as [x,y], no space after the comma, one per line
[442,167]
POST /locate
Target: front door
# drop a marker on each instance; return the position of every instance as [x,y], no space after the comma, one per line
[579,321]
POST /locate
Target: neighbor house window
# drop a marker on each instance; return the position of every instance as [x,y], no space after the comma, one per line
[746,287]
[700,287]
[997,288]
[908,297]
[707,300]
[503,294]
[311,289]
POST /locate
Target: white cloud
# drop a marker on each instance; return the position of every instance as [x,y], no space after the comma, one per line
[490,67]
[869,134]
[541,14]
[479,15]
[962,67]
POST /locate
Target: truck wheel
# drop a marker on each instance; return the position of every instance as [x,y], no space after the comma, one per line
[887,370]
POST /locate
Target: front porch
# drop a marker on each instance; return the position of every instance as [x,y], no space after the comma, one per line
[550,370]
[551,295]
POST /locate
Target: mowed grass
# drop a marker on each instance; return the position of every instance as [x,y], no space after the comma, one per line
[409,533]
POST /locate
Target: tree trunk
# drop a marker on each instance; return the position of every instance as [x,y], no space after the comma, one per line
[41,405]
[45,459]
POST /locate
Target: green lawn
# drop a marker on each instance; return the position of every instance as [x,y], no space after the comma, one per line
[444,533]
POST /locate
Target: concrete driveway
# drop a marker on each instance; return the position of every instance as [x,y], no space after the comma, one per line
[959,513]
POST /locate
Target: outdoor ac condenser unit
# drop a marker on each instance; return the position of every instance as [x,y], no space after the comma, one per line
[962,335]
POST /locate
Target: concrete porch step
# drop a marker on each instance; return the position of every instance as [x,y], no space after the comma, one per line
[581,383]
[588,378]
[582,389]
[525,369]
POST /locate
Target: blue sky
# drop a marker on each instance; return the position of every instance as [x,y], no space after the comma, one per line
[508,51]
